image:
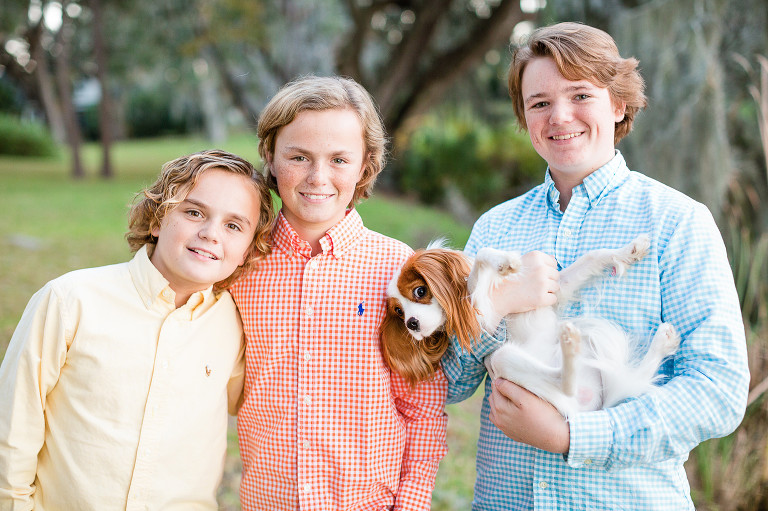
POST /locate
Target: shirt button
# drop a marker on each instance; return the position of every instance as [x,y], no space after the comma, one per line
[166,294]
[309,311]
[307,356]
[543,485]
[587,461]
[307,487]
[164,364]
[567,233]
[313,264]
[307,399]
[306,444]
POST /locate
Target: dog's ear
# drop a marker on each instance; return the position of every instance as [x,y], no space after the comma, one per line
[446,273]
[416,361]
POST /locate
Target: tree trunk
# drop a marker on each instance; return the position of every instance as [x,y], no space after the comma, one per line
[234,86]
[45,83]
[105,105]
[449,66]
[210,103]
[63,79]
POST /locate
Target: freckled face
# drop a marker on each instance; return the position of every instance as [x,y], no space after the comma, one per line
[571,123]
[318,160]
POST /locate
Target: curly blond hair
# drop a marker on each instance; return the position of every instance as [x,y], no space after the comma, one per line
[176,179]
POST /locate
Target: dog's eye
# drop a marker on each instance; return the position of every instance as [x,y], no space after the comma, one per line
[399,311]
[420,292]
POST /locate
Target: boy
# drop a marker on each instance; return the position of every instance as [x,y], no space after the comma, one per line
[324,424]
[577,97]
[117,381]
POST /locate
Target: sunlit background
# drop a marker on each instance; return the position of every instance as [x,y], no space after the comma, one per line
[96,94]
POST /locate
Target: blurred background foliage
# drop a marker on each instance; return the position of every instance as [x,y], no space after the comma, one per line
[83,83]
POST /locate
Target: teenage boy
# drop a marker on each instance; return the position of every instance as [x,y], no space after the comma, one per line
[577,97]
[324,424]
[117,381]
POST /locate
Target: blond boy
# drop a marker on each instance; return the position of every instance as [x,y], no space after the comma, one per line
[324,424]
[117,381]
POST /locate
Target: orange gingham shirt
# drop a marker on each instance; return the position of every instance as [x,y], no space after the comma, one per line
[325,425]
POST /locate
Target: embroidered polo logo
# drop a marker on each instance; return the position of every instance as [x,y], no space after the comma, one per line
[360,308]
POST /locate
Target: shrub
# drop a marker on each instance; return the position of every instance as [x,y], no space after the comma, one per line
[24,138]
[456,150]
[10,97]
[158,111]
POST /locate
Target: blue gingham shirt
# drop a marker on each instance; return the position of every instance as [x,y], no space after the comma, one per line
[630,456]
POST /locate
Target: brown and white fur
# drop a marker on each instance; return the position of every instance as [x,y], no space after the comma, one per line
[427,303]
[578,364]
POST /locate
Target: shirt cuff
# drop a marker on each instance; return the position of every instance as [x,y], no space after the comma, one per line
[488,343]
[591,439]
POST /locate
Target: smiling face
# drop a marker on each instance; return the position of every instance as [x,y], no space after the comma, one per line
[207,235]
[318,161]
[571,123]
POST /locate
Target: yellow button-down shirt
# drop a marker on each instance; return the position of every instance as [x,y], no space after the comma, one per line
[111,398]
[325,425]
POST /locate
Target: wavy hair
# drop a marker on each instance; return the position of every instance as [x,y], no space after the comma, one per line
[176,179]
[581,52]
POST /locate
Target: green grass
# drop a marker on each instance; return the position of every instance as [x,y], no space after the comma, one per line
[53,224]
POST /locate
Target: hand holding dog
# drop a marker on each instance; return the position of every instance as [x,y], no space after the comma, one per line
[536,285]
[524,417]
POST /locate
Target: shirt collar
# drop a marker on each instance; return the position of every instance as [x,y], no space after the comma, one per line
[155,291]
[595,186]
[336,241]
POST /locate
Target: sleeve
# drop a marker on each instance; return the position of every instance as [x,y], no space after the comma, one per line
[707,393]
[423,410]
[463,368]
[235,393]
[29,371]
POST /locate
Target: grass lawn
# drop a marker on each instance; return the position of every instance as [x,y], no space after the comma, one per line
[53,224]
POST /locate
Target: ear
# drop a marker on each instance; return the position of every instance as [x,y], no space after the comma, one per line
[462,320]
[620,110]
[270,160]
[155,231]
[402,353]
[449,286]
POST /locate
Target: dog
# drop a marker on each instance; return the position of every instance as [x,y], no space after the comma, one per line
[577,364]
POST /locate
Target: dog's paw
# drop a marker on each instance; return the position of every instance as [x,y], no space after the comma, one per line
[570,340]
[630,254]
[488,361]
[666,340]
[503,262]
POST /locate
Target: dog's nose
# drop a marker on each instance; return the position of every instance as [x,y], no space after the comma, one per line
[412,324]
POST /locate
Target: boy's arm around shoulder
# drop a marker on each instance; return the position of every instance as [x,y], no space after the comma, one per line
[707,392]
[235,390]
[29,371]
[235,385]
[426,423]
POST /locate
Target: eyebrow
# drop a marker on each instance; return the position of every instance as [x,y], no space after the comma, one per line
[235,216]
[291,148]
[571,88]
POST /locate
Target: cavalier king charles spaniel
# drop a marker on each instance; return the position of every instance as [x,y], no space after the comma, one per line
[577,364]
